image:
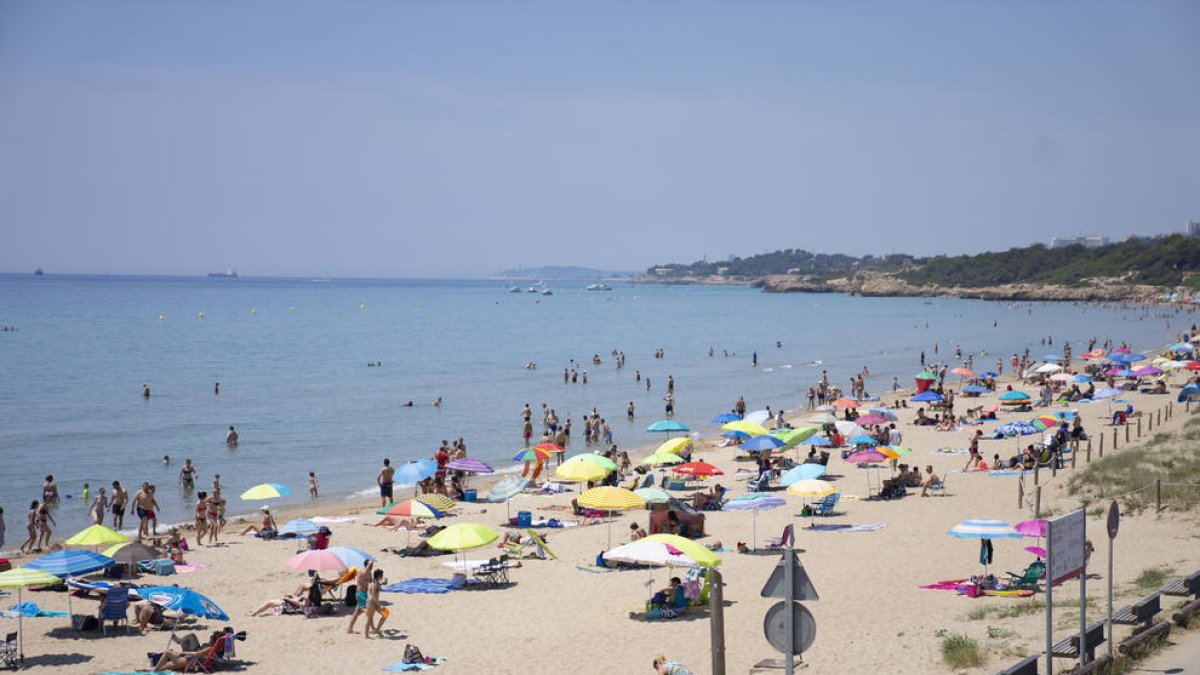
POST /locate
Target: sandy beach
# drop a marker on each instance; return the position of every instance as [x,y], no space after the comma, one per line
[871,617]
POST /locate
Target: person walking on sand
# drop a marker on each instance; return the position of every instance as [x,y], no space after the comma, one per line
[384,480]
[44,520]
[31,527]
[362,582]
[374,607]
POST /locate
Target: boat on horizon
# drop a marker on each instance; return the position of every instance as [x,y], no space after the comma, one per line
[599,287]
[547,291]
[514,289]
[39,272]
[227,274]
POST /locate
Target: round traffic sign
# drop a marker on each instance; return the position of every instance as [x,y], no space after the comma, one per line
[804,627]
[1114,519]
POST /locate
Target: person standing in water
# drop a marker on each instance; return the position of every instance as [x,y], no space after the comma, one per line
[231,437]
[119,498]
[384,479]
[145,390]
[312,484]
[50,491]
[187,476]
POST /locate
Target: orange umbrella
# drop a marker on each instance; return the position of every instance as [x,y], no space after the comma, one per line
[549,447]
[845,403]
[698,469]
[965,372]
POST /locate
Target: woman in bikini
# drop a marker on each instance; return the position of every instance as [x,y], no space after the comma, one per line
[43,522]
[31,526]
[213,513]
[187,476]
[201,516]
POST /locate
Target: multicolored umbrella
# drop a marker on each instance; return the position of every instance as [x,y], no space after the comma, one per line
[529,455]
[550,447]
[440,502]
[266,491]
[664,549]
[411,508]
[470,465]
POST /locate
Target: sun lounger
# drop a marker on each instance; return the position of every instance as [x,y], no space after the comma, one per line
[1030,578]
[786,539]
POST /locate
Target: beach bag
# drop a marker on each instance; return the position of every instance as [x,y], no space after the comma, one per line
[412,654]
[351,591]
[84,622]
[5,565]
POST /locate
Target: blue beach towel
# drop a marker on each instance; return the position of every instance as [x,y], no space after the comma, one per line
[1004,473]
[869,527]
[402,667]
[425,585]
[29,609]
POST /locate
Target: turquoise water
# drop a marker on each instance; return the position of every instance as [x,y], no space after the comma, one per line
[291,356]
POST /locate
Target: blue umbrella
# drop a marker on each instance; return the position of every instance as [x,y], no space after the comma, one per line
[736,434]
[300,527]
[1181,347]
[70,562]
[415,472]
[1187,392]
[990,373]
[884,412]
[764,442]
[1014,429]
[353,557]
[931,396]
[183,600]
[974,389]
[817,440]
[724,418]
[1108,392]
[863,440]
[1125,373]
[1014,395]
[802,472]
[667,426]
[1081,378]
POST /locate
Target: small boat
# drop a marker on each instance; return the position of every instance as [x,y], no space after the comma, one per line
[599,287]
[227,274]
[532,289]
[514,289]
[39,272]
[547,291]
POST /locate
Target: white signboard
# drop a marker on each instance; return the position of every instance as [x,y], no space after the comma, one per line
[1065,536]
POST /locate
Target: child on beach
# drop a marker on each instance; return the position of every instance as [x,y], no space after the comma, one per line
[312,484]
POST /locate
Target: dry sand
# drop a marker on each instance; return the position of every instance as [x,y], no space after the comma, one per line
[871,618]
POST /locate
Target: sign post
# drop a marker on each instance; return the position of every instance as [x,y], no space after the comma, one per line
[1065,537]
[1114,523]
[789,626]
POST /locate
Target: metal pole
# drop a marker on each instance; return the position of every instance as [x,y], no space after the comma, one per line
[1021,492]
[1101,445]
[1139,427]
[789,563]
[716,606]
[1157,495]
[1082,604]
[1110,596]
[1127,429]
[1049,603]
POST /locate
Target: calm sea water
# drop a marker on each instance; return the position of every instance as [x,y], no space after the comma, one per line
[291,356]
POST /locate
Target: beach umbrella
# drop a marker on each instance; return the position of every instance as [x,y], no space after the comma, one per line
[411,473]
[184,600]
[1048,368]
[470,465]
[724,417]
[824,407]
[439,502]
[131,553]
[884,412]
[866,456]
[1129,358]
[674,445]
[989,373]
[793,437]
[69,563]
[411,508]
[608,498]
[963,371]
[1036,550]
[352,557]
[802,472]
[317,561]
[1168,365]
[846,403]
[925,375]
[1181,347]
[873,419]
[893,452]
[664,549]
[1014,396]
[811,488]
[266,491]
[1107,392]
[96,535]
[662,459]
[746,427]
[526,455]
[1193,365]
[758,416]
[754,502]
[818,441]
[1188,391]
[462,536]
[1031,528]
[1081,378]
[848,429]
[577,470]
[821,418]
[863,440]
[653,495]
[984,529]
[20,578]
[763,442]
[974,389]
[927,396]
[599,460]
[667,426]
[1044,422]
[300,527]
[698,469]
[1062,377]
[1147,371]
[737,435]
[506,489]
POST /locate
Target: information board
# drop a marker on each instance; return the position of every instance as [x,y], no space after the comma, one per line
[1065,535]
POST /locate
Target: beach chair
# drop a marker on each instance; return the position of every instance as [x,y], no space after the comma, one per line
[787,539]
[116,608]
[8,652]
[331,590]
[761,484]
[206,662]
[492,573]
[825,506]
[715,503]
[938,489]
[1030,578]
[678,605]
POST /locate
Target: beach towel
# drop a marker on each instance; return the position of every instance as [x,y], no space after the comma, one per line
[595,569]
[333,519]
[554,507]
[401,667]
[948,451]
[28,609]
[189,567]
[951,585]
[1004,473]
[868,527]
[426,585]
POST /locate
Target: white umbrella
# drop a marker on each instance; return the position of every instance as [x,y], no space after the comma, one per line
[758,417]
[822,418]
[849,429]
[1048,368]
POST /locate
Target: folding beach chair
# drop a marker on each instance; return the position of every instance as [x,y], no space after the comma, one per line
[786,539]
[8,652]
[825,506]
[116,608]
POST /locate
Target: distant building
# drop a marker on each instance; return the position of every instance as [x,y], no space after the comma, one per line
[1193,228]
[722,270]
[1090,241]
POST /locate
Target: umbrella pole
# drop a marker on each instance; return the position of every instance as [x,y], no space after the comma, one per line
[20,627]
[754,528]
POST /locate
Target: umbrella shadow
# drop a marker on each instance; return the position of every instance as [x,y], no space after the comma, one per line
[768,551]
[68,633]
[57,659]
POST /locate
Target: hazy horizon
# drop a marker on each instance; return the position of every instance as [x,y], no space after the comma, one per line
[394,140]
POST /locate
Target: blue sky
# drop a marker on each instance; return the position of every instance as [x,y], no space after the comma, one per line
[456,138]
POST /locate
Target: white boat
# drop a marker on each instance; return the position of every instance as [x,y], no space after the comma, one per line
[547,291]
[514,289]
[599,287]
[532,289]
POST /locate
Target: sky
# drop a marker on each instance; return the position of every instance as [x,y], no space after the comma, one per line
[456,139]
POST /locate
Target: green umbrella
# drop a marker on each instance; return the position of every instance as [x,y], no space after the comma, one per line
[599,460]
[653,495]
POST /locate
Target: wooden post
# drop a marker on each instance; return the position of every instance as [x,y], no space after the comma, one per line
[1037,470]
[1037,502]
[1114,439]
[1157,494]
[1127,429]
[1160,418]
[1139,427]
[1101,447]
[1075,453]
[1021,494]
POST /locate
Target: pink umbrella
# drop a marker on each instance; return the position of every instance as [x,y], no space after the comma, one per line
[1148,370]
[1062,377]
[1036,550]
[317,561]
[871,420]
[1032,528]
[866,456]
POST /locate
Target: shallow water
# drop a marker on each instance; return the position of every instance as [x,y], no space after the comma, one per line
[291,356]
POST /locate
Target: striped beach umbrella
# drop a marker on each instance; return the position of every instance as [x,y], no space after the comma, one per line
[527,455]
[20,578]
[266,491]
[440,502]
[984,528]
[470,465]
[411,508]
[754,502]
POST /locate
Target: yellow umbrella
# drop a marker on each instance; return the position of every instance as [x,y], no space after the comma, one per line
[462,536]
[610,498]
[811,488]
[674,446]
[702,556]
[746,427]
[97,535]
[18,578]
[440,502]
[579,471]
[662,459]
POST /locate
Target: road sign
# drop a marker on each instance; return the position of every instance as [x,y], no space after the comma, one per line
[804,627]
[1114,519]
[1065,536]
[802,588]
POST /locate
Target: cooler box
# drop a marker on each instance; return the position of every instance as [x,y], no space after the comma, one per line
[469,495]
[524,519]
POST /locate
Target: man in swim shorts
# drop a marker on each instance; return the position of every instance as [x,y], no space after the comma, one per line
[362,584]
[384,479]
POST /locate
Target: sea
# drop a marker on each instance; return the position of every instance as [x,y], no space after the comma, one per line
[293,358]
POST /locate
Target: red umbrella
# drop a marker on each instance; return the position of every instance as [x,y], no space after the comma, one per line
[965,372]
[698,469]
[549,447]
[846,403]
[1193,365]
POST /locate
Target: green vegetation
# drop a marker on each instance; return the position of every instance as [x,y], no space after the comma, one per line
[960,651]
[997,633]
[1129,475]
[1153,578]
[1160,262]
[781,262]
